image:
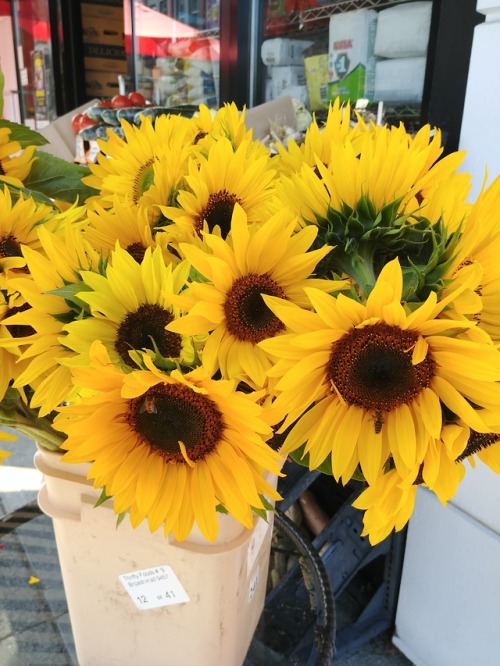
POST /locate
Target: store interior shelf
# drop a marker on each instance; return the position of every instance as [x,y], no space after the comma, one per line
[298,19]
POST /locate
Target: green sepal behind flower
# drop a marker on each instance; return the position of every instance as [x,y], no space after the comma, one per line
[262,512]
[70,295]
[103,497]
[302,459]
[365,240]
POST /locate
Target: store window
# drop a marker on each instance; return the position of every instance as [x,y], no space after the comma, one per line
[32,36]
[174,51]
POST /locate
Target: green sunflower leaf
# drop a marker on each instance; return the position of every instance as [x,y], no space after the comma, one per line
[59,179]
[38,197]
[24,135]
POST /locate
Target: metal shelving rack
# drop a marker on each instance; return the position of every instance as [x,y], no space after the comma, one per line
[302,17]
[450,42]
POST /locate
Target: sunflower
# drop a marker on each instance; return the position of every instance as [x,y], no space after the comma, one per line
[389,502]
[479,245]
[368,380]
[131,306]
[372,202]
[171,447]
[3,454]
[145,168]
[18,222]
[47,288]
[226,177]
[126,223]
[5,437]
[384,165]
[483,446]
[9,336]
[319,140]
[228,121]
[238,271]
[15,164]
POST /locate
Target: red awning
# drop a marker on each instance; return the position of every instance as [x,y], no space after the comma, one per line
[160,35]
[150,23]
[40,30]
[5,8]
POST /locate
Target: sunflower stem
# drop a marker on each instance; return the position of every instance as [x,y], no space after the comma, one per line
[26,421]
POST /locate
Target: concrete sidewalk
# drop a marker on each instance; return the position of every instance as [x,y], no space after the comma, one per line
[34,624]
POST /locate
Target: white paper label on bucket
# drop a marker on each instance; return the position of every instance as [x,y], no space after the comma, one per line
[256,542]
[154,587]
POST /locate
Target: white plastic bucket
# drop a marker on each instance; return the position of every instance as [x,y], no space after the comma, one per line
[225,581]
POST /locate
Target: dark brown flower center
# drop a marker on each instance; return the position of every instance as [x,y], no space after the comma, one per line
[477,442]
[218,211]
[10,247]
[201,135]
[19,330]
[140,328]
[137,251]
[171,413]
[247,316]
[372,368]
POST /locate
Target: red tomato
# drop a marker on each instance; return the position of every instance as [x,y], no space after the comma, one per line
[85,121]
[75,122]
[137,99]
[104,102]
[120,102]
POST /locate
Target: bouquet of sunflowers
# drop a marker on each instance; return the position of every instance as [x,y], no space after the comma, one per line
[190,309]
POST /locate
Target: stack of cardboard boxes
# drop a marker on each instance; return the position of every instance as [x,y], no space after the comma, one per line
[104,46]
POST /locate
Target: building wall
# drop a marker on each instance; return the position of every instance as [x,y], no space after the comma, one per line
[8,65]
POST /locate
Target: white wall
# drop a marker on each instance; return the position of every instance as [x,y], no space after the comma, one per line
[480,134]
[8,65]
[449,601]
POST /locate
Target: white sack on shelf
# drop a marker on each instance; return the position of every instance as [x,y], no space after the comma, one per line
[288,75]
[283,51]
[400,80]
[403,31]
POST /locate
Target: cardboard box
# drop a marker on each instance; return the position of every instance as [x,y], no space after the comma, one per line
[61,136]
[259,118]
[317,81]
[113,11]
[101,84]
[351,64]
[105,58]
[105,65]
[103,31]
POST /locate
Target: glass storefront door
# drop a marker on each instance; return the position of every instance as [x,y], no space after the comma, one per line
[32,41]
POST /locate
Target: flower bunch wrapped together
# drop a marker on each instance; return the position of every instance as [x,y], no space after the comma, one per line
[203,300]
